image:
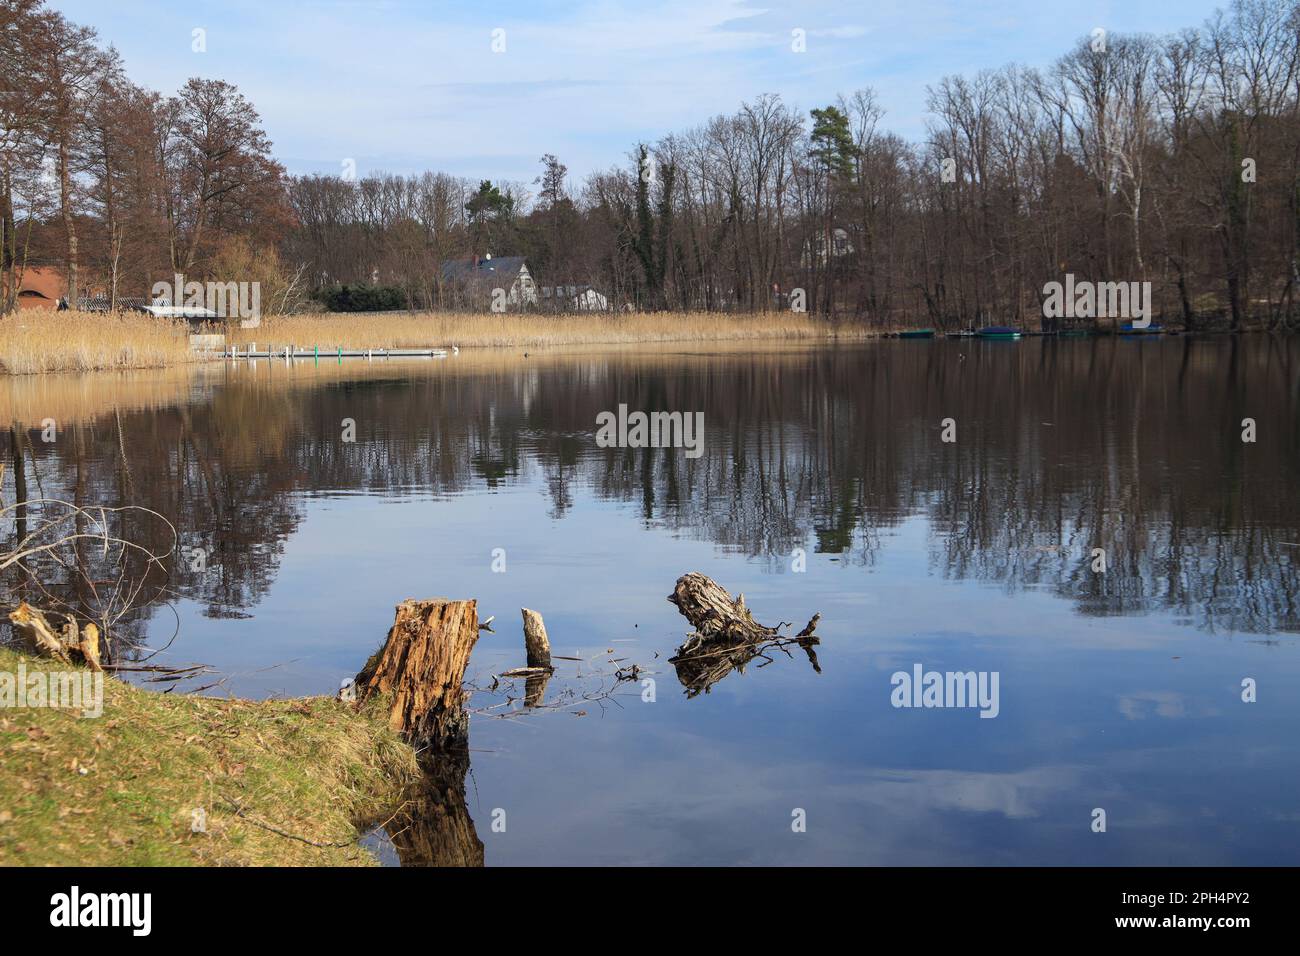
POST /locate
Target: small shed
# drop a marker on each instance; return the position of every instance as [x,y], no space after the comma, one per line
[187,312]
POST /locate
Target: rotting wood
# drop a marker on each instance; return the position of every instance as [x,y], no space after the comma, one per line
[66,645]
[421,668]
[89,646]
[716,616]
[536,642]
[726,636]
[525,672]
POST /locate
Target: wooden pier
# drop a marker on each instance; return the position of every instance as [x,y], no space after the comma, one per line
[314,354]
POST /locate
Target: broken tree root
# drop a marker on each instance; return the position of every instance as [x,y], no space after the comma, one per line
[715,616]
[726,636]
[65,645]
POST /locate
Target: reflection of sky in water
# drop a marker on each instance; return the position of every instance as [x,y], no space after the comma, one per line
[1138,715]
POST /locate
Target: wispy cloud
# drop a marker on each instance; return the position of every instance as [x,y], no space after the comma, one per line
[412,85]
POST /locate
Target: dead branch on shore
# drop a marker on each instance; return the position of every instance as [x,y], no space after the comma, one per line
[61,547]
[67,644]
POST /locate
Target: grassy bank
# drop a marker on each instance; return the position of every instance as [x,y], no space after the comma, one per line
[413,330]
[120,789]
[35,340]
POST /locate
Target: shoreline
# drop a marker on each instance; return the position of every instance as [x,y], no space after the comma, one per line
[168,780]
[38,343]
[72,342]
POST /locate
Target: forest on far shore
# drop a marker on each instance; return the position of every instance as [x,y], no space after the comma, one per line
[1172,159]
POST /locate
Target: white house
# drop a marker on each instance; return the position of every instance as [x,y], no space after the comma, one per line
[574,298]
[815,248]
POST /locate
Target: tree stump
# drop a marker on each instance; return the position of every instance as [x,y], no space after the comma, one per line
[421,666]
[536,642]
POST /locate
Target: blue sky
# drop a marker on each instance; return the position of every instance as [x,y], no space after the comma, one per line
[402,86]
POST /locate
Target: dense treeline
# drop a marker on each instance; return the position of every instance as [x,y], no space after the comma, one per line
[121,186]
[1173,160]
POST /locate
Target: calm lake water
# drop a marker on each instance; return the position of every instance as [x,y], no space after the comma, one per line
[824,486]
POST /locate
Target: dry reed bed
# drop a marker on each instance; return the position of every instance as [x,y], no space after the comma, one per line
[42,341]
[420,330]
[37,341]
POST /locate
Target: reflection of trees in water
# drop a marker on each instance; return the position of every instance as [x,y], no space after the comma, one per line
[1137,450]
[203,467]
[1062,447]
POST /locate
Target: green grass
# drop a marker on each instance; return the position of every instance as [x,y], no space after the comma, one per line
[121,789]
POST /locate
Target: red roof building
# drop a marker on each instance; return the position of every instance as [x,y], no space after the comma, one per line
[42,288]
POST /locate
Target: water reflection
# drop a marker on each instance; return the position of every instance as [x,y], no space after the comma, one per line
[701,665]
[1063,447]
[433,826]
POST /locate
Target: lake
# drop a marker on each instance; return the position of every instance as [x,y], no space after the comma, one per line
[823,483]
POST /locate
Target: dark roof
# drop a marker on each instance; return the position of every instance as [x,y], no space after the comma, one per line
[101,303]
[495,268]
[571,289]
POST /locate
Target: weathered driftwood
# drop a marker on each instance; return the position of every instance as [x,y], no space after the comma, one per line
[66,645]
[421,667]
[536,642]
[713,613]
[726,636]
[715,616]
[526,672]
